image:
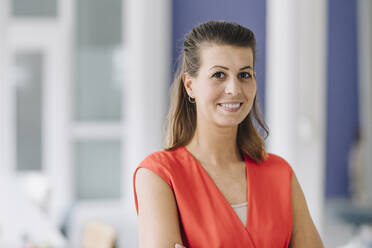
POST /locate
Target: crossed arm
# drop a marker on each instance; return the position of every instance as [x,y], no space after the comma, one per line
[158,215]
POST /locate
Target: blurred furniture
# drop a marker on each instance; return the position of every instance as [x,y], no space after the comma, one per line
[99,235]
[118,214]
[20,219]
[354,215]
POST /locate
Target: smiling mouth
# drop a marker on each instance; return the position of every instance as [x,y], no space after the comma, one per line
[231,107]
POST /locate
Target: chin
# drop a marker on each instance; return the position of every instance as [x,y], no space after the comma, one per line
[228,123]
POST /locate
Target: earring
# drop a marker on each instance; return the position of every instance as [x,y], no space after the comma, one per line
[191,100]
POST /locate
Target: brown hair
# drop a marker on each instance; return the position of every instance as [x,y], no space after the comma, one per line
[182,113]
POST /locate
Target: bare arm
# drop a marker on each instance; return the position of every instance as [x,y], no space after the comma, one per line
[157,211]
[304,233]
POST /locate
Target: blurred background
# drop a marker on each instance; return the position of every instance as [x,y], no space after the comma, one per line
[84,95]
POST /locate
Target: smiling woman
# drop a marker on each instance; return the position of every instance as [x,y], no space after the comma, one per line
[214,185]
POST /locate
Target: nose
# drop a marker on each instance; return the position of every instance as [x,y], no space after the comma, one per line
[233,87]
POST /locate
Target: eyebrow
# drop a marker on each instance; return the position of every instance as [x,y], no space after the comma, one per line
[223,67]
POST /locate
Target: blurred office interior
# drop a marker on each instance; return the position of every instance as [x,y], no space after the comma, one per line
[84,96]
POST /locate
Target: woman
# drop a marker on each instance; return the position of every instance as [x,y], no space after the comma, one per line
[215,185]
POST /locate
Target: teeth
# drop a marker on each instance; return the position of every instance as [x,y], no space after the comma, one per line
[230,105]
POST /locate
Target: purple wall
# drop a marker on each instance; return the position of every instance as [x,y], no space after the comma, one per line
[342,95]
[252,14]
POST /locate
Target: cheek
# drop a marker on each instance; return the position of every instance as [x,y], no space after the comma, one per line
[209,93]
[251,90]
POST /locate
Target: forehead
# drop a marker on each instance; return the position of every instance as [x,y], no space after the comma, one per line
[225,55]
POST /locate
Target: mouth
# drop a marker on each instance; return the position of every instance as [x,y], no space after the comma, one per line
[230,107]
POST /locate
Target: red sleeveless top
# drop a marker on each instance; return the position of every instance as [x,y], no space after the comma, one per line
[207,218]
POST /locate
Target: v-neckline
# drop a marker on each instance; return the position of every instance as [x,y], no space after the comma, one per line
[222,197]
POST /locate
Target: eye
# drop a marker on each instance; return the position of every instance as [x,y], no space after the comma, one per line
[219,75]
[245,75]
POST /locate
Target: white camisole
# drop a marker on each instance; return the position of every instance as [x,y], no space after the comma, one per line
[241,211]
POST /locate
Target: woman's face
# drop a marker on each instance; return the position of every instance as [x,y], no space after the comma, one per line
[225,86]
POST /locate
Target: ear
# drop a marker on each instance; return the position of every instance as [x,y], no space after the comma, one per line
[187,83]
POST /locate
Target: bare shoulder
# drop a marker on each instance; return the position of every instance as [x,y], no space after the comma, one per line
[304,232]
[157,211]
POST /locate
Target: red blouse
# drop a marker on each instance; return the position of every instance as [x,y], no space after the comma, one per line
[207,218]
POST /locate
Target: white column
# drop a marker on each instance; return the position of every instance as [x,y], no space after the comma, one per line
[57,153]
[7,127]
[147,49]
[365,90]
[2,86]
[147,42]
[296,91]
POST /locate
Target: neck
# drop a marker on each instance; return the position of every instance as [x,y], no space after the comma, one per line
[215,146]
